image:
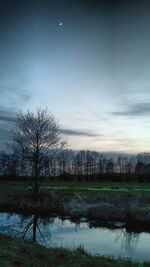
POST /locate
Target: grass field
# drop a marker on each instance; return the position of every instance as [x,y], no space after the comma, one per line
[102,185]
[81,185]
[69,189]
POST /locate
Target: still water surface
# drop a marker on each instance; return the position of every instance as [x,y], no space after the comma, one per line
[55,232]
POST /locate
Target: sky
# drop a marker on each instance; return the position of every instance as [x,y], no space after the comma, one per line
[87,61]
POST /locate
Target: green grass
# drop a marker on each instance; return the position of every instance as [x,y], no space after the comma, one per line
[15,252]
[69,189]
[104,188]
[102,185]
[79,185]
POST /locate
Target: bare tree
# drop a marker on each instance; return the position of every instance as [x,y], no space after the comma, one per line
[35,136]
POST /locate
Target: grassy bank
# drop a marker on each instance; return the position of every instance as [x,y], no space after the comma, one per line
[129,203]
[15,252]
[104,187]
[67,190]
[15,194]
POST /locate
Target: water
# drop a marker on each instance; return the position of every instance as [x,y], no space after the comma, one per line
[55,232]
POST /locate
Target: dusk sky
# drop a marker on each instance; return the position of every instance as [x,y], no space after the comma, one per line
[87,61]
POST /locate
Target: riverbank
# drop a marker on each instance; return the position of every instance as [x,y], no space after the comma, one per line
[102,208]
[118,204]
[16,252]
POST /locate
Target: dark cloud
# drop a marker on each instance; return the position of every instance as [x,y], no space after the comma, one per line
[4,134]
[77,133]
[7,118]
[7,115]
[140,109]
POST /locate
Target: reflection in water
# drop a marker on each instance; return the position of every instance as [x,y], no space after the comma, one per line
[56,232]
[33,223]
[129,240]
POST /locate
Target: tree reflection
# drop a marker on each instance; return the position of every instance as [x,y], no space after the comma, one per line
[129,240]
[33,227]
[40,229]
[32,224]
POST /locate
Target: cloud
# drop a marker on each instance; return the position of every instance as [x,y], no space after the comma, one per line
[7,118]
[7,115]
[5,134]
[14,95]
[139,109]
[24,96]
[77,133]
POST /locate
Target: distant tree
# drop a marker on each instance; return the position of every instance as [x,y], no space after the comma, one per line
[109,166]
[78,164]
[3,163]
[35,136]
[101,164]
[120,164]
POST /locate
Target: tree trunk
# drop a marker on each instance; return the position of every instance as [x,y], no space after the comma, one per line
[35,220]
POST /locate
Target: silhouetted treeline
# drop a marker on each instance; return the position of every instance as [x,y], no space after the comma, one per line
[79,166]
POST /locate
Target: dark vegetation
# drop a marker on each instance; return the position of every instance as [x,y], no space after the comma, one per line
[82,166]
[15,252]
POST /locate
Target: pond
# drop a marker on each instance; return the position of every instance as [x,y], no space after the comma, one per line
[58,232]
